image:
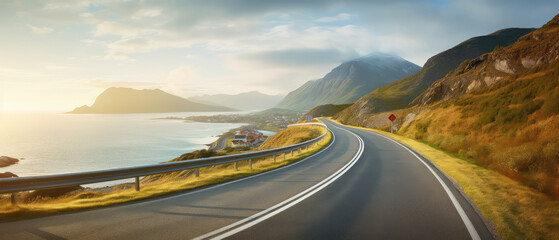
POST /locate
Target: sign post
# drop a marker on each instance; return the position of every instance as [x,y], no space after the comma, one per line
[309,117]
[392,117]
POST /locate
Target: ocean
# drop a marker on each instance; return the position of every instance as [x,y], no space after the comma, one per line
[55,143]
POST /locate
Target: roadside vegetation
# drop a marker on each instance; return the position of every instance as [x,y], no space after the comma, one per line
[514,210]
[512,127]
[290,136]
[30,204]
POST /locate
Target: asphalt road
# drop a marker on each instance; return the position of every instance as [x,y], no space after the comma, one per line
[362,186]
[221,142]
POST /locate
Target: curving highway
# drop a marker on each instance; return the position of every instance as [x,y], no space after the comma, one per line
[221,142]
[362,186]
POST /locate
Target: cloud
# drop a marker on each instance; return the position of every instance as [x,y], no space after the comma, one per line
[272,46]
[39,30]
[72,5]
[426,27]
[147,13]
[339,17]
[88,18]
[302,57]
[119,29]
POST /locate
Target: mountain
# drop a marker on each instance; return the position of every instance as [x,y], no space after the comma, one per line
[127,100]
[532,50]
[400,93]
[500,109]
[349,81]
[244,101]
[279,111]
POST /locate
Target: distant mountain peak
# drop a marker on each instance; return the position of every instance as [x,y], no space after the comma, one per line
[128,100]
[252,100]
[349,81]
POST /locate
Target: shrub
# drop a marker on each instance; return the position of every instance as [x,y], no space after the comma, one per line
[551,105]
[421,128]
[519,159]
[486,117]
[454,143]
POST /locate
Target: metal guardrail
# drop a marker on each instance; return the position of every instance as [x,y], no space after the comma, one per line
[20,184]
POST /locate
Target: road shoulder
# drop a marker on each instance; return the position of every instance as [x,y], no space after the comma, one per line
[510,210]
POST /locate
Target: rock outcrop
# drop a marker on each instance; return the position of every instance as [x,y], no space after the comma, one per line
[8,175]
[531,50]
[7,161]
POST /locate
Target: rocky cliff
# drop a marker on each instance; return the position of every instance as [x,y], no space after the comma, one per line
[534,49]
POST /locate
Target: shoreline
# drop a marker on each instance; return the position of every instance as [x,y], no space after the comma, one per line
[125,184]
[97,142]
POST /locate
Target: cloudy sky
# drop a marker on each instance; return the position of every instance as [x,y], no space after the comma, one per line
[56,55]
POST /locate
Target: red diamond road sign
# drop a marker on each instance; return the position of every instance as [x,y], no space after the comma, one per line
[392,117]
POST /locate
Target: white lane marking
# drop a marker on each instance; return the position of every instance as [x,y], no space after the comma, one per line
[245,178]
[261,216]
[459,209]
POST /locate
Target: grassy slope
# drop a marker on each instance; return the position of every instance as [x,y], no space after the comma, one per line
[512,127]
[290,136]
[517,212]
[166,184]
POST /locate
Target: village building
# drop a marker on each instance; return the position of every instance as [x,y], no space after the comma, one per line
[248,138]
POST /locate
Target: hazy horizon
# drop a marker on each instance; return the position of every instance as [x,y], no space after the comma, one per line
[59,55]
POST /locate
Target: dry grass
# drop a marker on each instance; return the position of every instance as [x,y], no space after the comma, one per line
[517,211]
[511,127]
[291,136]
[165,184]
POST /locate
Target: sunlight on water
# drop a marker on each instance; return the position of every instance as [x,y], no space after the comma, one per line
[54,143]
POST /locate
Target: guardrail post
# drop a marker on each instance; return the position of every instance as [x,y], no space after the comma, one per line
[250,163]
[137,183]
[236,166]
[197,171]
[284,156]
[292,152]
[274,157]
[13,198]
[299,151]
